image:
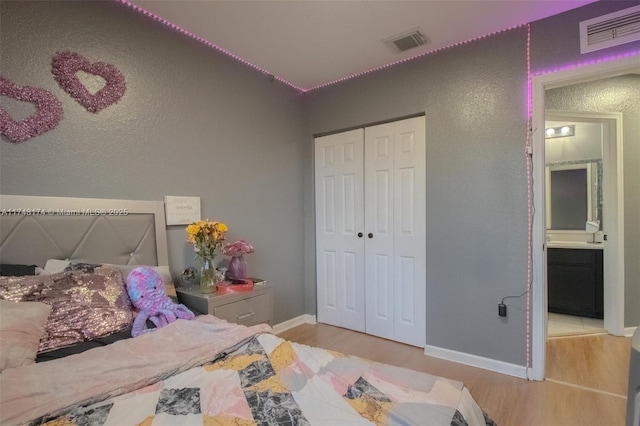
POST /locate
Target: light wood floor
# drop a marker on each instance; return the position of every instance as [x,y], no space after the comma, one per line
[584,387]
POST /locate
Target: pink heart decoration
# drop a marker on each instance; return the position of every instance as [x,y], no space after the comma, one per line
[65,66]
[47,116]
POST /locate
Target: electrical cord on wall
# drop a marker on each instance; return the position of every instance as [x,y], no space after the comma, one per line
[533,213]
[518,296]
[502,308]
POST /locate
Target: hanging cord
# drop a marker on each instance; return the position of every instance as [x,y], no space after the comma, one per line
[530,224]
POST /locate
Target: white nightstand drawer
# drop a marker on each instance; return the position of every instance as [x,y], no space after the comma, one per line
[250,311]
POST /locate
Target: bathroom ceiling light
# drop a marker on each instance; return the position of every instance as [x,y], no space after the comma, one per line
[560,131]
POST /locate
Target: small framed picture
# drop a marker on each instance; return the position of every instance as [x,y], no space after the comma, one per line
[181,210]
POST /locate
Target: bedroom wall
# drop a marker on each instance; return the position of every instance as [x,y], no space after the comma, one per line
[474,98]
[192,122]
[617,94]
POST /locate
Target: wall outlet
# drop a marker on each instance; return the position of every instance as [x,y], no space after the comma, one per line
[502,310]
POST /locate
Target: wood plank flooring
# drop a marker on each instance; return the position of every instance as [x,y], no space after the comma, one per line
[582,389]
[589,361]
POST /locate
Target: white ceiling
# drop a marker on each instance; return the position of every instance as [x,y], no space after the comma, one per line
[308,43]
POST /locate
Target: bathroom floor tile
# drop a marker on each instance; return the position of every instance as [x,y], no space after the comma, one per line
[568,324]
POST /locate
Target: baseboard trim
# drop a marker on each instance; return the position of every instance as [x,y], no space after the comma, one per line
[293,322]
[502,367]
[628,331]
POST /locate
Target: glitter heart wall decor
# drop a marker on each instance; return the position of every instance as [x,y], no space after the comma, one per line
[47,116]
[65,66]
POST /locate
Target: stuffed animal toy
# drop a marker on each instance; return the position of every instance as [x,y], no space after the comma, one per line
[147,293]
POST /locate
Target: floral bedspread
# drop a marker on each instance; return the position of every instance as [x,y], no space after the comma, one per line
[270,381]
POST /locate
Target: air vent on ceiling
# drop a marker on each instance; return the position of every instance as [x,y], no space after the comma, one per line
[406,41]
[610,30]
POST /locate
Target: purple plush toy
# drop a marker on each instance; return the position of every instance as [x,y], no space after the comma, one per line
[147,293]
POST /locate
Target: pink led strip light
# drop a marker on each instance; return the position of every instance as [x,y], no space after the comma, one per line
[529,197]
[586,63]
[411,58]
[206,43]
[262,70]
[530,76]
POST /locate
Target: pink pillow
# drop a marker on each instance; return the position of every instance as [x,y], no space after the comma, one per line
[85,305]
[21,327]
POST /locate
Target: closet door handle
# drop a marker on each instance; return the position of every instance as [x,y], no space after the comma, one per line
[370,235]
[360,234]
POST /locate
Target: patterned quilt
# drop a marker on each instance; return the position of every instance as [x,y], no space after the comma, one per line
[270,381]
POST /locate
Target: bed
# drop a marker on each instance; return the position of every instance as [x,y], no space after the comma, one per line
[204,371]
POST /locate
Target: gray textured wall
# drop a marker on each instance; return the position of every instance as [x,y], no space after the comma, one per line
[618,94]
[192,122]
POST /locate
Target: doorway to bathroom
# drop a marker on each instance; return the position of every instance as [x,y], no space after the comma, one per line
[613,236]
[580,159]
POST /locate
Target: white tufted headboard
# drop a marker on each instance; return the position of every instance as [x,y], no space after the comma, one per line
[123,232]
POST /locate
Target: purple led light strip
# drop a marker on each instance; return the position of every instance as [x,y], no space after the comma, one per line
[584,64]
[205,42]
[528,160]
[262,70]
[530,76]
[381,67]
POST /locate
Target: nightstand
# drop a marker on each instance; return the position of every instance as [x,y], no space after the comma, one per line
[244,307]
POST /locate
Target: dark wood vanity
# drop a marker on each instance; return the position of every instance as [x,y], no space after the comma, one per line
[575,282]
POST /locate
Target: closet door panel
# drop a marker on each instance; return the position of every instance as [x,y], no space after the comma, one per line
[379,220]
[339,219]
[406,306]
[410,231]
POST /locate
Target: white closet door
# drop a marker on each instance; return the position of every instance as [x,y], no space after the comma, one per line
[339,218]
[395,218]
[379,211]
[410,221]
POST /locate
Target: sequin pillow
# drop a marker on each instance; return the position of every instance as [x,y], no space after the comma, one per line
[54,266]
[85,306]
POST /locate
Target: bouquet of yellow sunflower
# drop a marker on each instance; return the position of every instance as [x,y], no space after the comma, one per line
[206,237]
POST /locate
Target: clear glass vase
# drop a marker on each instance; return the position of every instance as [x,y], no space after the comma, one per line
[207,277]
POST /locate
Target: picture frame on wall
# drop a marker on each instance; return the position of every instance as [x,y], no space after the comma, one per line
[181,210]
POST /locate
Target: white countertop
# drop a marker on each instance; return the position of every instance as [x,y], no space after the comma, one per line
[575,245]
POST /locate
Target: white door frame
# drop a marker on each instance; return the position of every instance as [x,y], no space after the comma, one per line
[539,286]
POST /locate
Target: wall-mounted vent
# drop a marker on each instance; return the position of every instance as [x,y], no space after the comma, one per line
[610,30]
[406,41]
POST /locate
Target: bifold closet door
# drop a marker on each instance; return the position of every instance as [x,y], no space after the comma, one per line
[395,228]
[370,230]
[339,225]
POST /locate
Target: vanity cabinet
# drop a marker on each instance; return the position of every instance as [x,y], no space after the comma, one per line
[575,282]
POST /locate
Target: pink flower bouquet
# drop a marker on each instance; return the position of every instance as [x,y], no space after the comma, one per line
[237,248]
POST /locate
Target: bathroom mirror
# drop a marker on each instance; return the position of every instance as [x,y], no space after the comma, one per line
[573,194]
